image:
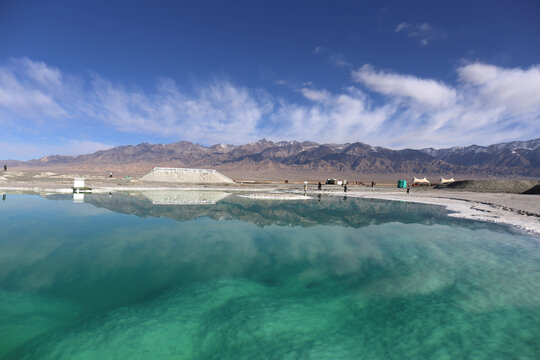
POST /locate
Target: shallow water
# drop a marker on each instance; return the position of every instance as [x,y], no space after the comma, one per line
[120,277]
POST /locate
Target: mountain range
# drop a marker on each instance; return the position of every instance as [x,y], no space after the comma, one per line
[267,159]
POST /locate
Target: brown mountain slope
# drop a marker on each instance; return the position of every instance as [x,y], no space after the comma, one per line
[265,158]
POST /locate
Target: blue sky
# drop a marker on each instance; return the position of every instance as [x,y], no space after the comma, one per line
[76,77]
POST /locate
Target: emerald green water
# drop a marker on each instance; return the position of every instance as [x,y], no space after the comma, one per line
[121,278]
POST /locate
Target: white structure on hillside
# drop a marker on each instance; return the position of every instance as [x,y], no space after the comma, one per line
[189,176]
[446,181]
[420,181]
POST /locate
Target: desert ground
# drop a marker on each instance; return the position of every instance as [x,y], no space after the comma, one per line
[520,210]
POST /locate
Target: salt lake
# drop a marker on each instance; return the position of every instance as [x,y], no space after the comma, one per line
[217,276]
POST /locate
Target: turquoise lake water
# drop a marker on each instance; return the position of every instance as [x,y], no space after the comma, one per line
[118,277]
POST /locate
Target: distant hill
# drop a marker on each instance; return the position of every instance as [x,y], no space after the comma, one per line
[518,158]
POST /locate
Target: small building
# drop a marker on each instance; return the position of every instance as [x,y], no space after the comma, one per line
[78,183]
[78,186]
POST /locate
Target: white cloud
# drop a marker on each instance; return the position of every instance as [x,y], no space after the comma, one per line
[315,95]
[42,73]
[336,58]
[340,60]
[425,91]
[425,33]
[218,112]
[516,90]
[403,26]
[487,104]
[27,97]
[341,117]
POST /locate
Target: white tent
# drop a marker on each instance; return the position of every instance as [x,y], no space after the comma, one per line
[420,181]
[446,181]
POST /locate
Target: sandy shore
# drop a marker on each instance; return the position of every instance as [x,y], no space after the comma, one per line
[522,211]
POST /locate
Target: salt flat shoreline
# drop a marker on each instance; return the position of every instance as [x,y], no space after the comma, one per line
[522,211]
[516,212]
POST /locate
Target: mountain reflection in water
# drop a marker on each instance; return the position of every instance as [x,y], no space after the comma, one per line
[328,210]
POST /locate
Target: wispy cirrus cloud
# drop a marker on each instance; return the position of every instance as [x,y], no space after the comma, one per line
[216,112]
[425,33]
[425,91]
[334,57]
[24,90]
[486,104]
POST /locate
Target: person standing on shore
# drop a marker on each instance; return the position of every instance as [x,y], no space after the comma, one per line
[345,187]
[319,186]
[5,167]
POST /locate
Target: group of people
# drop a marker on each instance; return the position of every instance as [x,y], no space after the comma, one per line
[319,187]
